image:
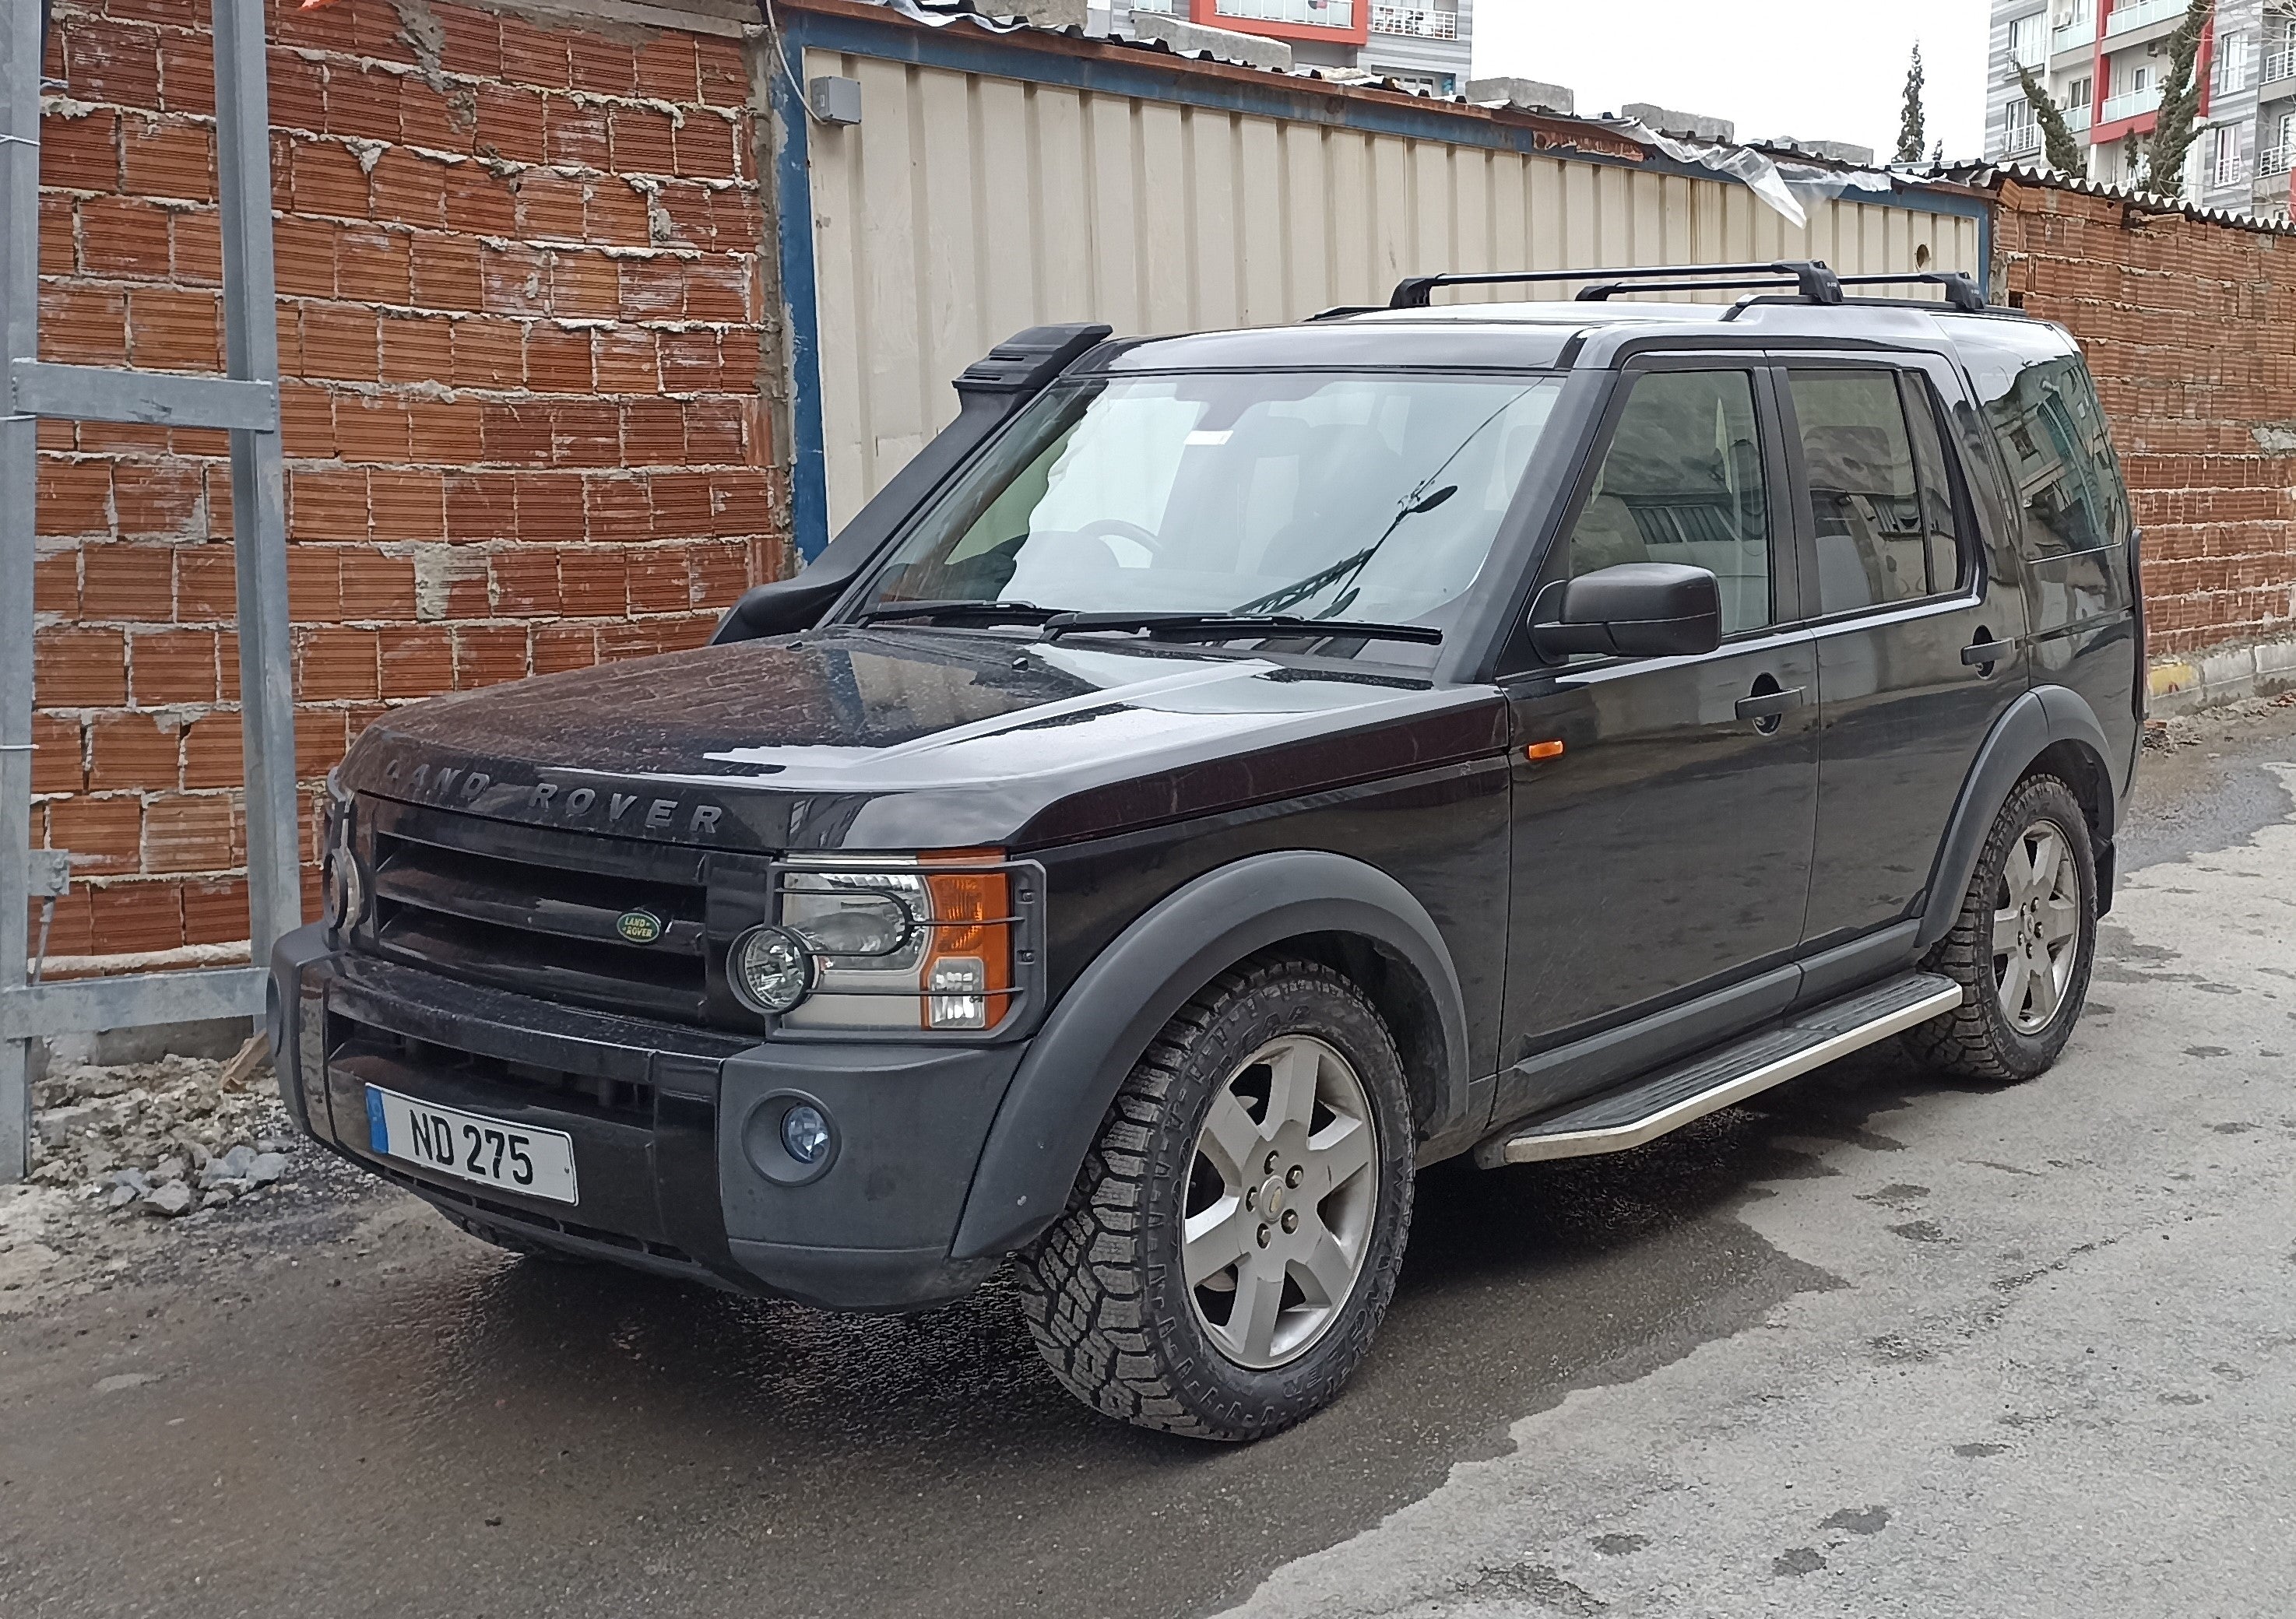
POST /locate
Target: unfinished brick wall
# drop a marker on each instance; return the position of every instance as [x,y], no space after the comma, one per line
[2190,328]
[520,326]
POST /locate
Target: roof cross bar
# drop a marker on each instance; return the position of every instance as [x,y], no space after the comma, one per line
[1809,276]
[1961,288]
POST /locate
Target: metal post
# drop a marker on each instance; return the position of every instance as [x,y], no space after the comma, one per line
[258,502]
[246,404]
[19,308]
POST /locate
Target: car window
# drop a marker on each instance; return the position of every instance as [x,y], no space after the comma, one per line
[1940,527]
[1683,482]
[2051,428]
[1873,529]
[1375,496]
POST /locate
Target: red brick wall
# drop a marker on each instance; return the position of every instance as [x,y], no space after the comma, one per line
[520,326]
[2190,329]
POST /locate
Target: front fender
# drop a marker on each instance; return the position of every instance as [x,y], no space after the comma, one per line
[1057,1100]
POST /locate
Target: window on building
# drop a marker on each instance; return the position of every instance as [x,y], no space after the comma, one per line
[2140,80]
[2225,164]
[2236,62]
[2080,93]
[2029,40]
[1878,540]
[2023,129]
[2281,145]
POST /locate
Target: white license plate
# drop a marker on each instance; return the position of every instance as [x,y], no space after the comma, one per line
[538,1163]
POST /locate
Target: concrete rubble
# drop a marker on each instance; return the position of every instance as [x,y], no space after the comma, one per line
[164,1139]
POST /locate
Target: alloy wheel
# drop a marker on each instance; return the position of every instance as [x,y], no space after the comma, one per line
[1282,1193]
[2036,927]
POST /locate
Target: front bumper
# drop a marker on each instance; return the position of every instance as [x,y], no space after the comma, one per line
[674,1127]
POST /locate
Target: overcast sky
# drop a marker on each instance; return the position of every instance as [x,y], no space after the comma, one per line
[1818,69]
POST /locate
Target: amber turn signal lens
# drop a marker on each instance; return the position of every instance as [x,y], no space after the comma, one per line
[970,959]
[1543,750]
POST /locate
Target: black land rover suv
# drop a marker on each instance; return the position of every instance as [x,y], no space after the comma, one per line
[1224,773]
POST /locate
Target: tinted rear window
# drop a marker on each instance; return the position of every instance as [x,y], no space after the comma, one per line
[2067,481]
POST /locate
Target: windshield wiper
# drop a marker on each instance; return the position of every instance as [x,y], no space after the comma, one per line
[991,612]
[1238,625]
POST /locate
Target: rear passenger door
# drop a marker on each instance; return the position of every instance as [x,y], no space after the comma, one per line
[1918,651]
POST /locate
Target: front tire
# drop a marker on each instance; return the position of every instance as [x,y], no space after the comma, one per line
[1235,1232]
[2022,944]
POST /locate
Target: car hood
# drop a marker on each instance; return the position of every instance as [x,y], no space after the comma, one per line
[893,738]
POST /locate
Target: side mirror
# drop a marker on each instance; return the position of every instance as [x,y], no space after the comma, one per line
[1636,609]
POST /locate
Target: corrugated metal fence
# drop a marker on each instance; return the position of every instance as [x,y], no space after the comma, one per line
[998,182]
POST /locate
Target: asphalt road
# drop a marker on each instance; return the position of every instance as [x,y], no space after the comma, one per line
[1875,1344]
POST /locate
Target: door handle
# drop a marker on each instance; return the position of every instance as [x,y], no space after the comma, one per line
[1768,705]
[1985,654]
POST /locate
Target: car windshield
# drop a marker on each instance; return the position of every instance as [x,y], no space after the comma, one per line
[1371,497]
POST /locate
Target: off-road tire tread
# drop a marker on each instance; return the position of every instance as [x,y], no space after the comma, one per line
[1968,1041]
[1082,1285]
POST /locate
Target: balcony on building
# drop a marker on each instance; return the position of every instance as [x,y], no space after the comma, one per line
[2276,73]
[2074,31]
[2131,103]
[2133,16]
[2023,138]
[2077,120]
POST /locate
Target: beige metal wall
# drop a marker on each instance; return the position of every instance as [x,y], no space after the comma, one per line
[963,208]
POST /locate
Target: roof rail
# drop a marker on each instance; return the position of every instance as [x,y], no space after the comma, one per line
[1807,277]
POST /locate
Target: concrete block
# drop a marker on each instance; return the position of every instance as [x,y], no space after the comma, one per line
[2229,669]
[1222,44]
[1046,13]
[1528,94]
[1833,151]
[1682,126]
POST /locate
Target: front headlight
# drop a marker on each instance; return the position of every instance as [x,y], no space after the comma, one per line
[921,942]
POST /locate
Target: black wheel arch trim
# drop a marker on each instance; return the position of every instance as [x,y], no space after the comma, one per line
[1057,1101]
[2038,719]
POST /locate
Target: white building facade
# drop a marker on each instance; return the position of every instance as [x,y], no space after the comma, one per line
[2103,63]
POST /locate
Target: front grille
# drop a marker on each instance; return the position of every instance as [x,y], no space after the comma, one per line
[622,1101]
[538,912]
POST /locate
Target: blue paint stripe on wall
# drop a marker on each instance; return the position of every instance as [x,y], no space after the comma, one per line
[793,234]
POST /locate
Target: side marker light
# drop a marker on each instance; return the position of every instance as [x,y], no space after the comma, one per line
[1543,750]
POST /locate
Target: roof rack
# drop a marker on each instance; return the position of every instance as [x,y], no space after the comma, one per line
[1809,279]
[1961,289]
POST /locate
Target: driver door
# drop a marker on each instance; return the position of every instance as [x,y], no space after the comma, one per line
[1665,850]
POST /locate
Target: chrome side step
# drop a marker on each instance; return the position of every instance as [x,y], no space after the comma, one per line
[1646,1108]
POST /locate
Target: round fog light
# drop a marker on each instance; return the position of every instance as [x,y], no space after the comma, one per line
[805,1133]
[770,968]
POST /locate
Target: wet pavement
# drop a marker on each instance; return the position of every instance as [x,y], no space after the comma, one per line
[341,1406]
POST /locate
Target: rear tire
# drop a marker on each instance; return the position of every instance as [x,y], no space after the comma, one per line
[1235,1232]
[2022,944]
